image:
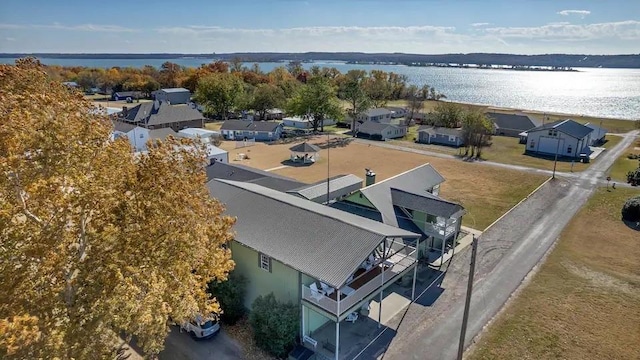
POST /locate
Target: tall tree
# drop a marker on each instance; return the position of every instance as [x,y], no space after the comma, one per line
[476,132]
[415,100]
[295,68]
[220,93]
[317,99]
[378,88]
[352,90]
[266,97]
[169,73]
[448,115]
[96,241]
[236,64]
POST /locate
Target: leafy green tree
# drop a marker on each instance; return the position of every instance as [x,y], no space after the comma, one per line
[476,132]
[631,210]
[230,295]
[266,97]
[275,325]
[318,99]
[351,89]
[378,88]
[295,68]
[448,115]
[95,240]
[221,93]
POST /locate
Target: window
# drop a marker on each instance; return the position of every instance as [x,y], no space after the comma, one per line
[141,136]
[555,132]
[550,132]
[569,150]
[432,219]
[265,262]
[409,212]
[532,144]
[270,134]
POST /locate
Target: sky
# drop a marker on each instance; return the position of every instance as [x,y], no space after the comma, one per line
[408,26]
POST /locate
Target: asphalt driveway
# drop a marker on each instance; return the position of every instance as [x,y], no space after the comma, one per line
[181,346]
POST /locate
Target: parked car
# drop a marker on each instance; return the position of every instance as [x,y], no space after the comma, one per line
[201,328]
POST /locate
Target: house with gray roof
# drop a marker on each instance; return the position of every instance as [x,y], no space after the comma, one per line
[173,96]
[379,131]
[330,262]
[598,136]
[337,187]
[137,136]
[249,129]
[440,135]
[238,172]
[411,201]
[380,115]
[124,95]
[510,124]
[567,138]
[160,114]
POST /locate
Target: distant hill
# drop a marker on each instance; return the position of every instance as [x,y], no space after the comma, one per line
[562,60]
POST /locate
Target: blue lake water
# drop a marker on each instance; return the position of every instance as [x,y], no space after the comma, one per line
[612,93]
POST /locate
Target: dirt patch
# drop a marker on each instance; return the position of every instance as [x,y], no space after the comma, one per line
[242,333]
[601,279]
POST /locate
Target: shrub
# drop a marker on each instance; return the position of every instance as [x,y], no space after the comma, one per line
[275,324]
[633,177]
[230,295]
[631,210]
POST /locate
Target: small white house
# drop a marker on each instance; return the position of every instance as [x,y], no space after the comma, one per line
[204,135]
[303,123]
[380,115]
[568,138]
[137,135]
[215,154]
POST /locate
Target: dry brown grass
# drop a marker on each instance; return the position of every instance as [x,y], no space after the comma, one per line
[585,301]
[486,192]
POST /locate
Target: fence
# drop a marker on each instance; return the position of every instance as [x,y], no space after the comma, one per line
[245,143]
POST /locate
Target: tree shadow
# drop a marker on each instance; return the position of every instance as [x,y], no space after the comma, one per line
[291,163]
[336,142]
[633,225]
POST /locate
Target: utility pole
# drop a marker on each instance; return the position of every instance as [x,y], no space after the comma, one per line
[328,151]
[555,161]
[467,303]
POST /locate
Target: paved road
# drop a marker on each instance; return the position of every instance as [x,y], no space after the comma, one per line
[181,346]
[506,253]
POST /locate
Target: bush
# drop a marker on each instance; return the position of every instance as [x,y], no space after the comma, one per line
[633,177]
[230,295]
[631,210]
[275,325]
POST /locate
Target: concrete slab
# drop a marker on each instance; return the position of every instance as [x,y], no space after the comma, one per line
[392,304]
[462,243]
[595,152]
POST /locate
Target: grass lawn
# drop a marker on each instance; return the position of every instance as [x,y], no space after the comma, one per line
[485,192]
[623,164]
[215,126]
[584,303]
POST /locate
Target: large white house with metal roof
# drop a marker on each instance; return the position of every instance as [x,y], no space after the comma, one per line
[567,138]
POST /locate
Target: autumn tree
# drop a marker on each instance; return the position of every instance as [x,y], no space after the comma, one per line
[476,132]
[221,93]
[415,99]
[378,88]
[266,97]
[317,99]
[351,89]
[295,68]
[169,74]
[96,241]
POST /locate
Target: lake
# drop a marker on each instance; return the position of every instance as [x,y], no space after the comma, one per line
[610,93]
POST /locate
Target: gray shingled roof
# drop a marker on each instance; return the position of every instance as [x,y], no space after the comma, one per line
[240,125]
[440,130]
[175,90]
[338,186]
[123,126]
[568,127]
[150,114]
[377,112]
[416,181]
[373,127]
[598,132]
[320,241]
[305,147]
[161,134]
[425,202]
[511,121]
[238,172]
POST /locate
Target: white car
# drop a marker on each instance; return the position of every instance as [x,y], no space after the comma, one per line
[201,329]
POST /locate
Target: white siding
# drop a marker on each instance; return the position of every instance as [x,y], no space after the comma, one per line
[543,143]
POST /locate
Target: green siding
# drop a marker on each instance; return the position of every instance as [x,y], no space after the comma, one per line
[313,320]
[358,198]
[282,280]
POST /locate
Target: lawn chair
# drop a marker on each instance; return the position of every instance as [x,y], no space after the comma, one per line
[328,290]
[316,293]
[352,317]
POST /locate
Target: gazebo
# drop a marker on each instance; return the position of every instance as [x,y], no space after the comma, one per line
[305,153]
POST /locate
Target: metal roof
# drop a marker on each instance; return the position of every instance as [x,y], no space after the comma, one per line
[425,202]
[511,121]
[416,181]
[569,127]
[175,90]
[305,147]
[123,126]
[238,172]
[158,113]
[241,125]
[320,241]
[598,131]
[338,186]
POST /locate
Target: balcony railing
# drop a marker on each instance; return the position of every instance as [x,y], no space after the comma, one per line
[439,230]
[392,267]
